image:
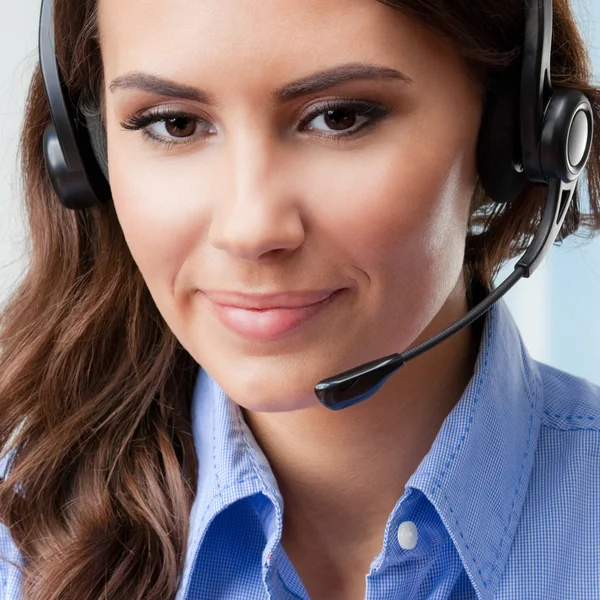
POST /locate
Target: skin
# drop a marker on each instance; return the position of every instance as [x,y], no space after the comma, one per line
[257,203]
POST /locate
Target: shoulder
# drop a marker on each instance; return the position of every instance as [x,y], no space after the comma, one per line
[566,465]
[566,472]
[10,561]
[559,528]
[571,403]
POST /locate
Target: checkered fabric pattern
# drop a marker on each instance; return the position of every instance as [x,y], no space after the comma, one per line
[506,502]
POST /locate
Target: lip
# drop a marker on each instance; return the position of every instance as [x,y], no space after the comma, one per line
[268,301]
[269,324]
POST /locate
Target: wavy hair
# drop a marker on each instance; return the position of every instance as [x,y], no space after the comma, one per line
[95,390]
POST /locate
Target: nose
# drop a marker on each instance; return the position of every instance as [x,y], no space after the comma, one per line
[257,211]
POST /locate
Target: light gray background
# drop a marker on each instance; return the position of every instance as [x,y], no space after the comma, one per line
[557,309]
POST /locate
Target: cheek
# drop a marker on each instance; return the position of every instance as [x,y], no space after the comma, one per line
[401,214]
[410,244]
[160,215]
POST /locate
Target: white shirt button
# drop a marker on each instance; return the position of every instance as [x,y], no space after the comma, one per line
[407,535]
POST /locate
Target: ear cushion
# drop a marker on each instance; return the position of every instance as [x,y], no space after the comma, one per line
[499,144]
[98,139]
[97,134]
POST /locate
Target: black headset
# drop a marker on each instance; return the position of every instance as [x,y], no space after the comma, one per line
[530,132]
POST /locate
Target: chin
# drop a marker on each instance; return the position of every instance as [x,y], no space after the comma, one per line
[265,385]
[279,403]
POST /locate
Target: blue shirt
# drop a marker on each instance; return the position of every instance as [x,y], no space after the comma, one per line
[506,503]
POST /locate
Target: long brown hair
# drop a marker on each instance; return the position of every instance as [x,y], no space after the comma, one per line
[95,390]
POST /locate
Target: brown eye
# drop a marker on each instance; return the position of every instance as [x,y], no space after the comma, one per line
[340,118]
[180,127]
[169,127]
[346,117]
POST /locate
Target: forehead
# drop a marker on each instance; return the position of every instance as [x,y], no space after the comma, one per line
[255,42]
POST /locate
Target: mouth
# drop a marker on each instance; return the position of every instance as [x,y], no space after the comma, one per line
[268,324]
[269,301]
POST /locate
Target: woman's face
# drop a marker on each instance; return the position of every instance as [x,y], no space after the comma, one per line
[257,191]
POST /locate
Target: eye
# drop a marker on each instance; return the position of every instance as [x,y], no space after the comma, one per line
[167,126]
[178,126]
[336,115]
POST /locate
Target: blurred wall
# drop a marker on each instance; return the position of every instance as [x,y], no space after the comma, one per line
[18,54]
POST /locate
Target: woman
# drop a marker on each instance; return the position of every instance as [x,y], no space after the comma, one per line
[136,474]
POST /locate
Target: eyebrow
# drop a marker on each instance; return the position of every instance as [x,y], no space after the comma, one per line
[310,84]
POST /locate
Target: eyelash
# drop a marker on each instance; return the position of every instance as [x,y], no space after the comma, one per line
[361,108]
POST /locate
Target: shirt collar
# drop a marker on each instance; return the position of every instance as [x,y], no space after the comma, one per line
[231,464]
[477,471]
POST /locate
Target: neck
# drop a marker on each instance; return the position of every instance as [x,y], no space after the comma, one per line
[341,473]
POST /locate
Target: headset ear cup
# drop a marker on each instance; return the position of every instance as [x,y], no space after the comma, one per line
[56,165]
[71,183]
[499,143]
[567,134]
